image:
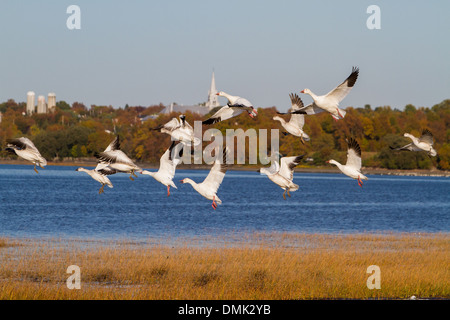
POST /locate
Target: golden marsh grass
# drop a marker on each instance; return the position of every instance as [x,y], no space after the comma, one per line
[258,266]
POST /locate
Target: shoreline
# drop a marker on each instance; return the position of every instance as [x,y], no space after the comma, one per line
[304,169]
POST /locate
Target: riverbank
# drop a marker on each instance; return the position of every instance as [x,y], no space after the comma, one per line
[258,266]
[306,169]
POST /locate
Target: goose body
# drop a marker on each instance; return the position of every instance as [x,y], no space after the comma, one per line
[423,143]
[26,149]
[167,164]
[297,121]
[116,159]
[208,188]
[180,130]
[353,166]
[330,101]
[100,176]
[283,175]
[236,105]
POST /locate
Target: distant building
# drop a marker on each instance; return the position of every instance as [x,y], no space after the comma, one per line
[201,109]
[30,102]
[51,107]
[213,100]
[42,106]
[145,118]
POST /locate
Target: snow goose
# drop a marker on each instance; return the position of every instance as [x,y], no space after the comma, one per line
[297,121]
[330,101]
[353,166]
[116,159]
[236,105]
[208,188]
[26,149]
[284,174]
[424,143]
[167,164]
[100,176]
[180,130]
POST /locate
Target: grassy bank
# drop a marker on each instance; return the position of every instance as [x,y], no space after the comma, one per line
[260,266]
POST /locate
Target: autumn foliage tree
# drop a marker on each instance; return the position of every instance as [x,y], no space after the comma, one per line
[77,131]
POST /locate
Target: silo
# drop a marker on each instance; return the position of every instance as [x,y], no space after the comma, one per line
[30,102]
[51,102]
[42,106]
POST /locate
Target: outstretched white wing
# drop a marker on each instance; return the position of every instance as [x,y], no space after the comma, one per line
[287,166]
[341,91]
[216,174]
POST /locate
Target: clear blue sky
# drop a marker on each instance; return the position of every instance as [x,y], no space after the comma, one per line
[147,52]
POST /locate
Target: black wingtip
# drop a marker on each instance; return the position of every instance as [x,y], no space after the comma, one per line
[353,144]
[211,121]
[296,100]
[351,80]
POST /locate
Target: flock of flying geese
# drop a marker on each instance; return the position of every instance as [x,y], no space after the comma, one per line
[113,160]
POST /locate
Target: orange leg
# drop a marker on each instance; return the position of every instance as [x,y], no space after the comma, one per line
[360,183]
[339,113]
[168,190]
[214,204]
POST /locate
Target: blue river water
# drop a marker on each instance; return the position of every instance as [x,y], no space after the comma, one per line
[61,202]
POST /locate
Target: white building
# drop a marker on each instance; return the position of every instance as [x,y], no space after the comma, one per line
[42,106]
[51,102]
[30,102]
[213,100]
[203,108]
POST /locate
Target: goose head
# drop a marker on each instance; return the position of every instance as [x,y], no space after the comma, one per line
[333,162]
[183,119]
[307,91]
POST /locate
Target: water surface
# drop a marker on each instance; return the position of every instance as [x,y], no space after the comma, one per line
[61,202]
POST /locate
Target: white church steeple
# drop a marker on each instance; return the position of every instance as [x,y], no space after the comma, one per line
[212,97]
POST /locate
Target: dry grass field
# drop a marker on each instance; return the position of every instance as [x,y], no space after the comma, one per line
[258,266]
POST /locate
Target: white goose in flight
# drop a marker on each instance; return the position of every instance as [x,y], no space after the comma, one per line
[353,166]
[100,176]
[26,149]
[424,143]
[284,174]
[208,188]
[330,101]
[116,159]
[297,121]
[236,105]
[167,164]
[180,130]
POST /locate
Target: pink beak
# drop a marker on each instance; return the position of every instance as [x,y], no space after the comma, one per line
[303,91]
[217,94]
[182,181]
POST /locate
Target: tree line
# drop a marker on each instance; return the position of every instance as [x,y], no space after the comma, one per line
[75,131]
